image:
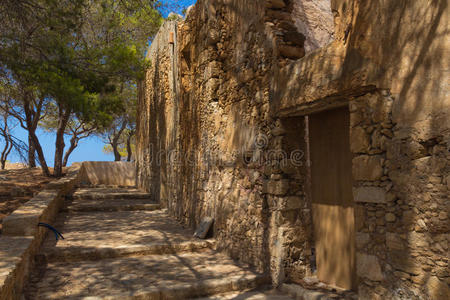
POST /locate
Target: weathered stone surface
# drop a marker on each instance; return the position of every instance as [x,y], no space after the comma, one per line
[393,241]
[24,221]
[315,20]
[204,227]
[150,277]
[292,202]
[390,217]
[277,187]
[368,266]
[359,140]
[362,239]
[369,194]
[12,271]
[109,173]
[437,289]
[17,250]
[367,167]
[398,127]
[404,263]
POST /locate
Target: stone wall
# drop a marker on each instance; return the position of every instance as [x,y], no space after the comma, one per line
[117,173]
[223,131]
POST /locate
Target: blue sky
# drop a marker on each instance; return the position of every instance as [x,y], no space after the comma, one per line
[176,5]
[90,148]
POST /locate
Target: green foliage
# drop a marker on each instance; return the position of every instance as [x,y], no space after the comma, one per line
[80,57]
[80,50]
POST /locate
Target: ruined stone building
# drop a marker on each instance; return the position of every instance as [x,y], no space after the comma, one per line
[315,133]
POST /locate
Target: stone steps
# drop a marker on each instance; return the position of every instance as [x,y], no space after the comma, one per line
[258,294]
[110,193]
[320,291]
[118,245]
[73,254]
[180,276]
[110,205]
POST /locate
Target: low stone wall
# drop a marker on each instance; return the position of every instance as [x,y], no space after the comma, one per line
[22,238]
[118,173]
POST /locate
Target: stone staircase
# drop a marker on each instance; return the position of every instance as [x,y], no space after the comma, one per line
[119,245]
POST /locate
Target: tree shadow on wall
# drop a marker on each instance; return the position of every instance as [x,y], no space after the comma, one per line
[411,51]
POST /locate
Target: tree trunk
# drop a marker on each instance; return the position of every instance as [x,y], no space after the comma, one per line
[40,153]
[117,156]
[115,141]
[4,133]
[129,151]
[64,115]
[32,119]
[31,153]
[6,149]
[73,145]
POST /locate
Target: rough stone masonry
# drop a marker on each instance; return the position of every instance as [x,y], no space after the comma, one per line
[224,132]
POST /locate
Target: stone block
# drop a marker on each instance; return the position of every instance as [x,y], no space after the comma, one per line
[369,194]
[367,266]
[292,202]
[437,289]
[211,87]
[362,239]
[359,140]
[365,167]
[211,71]
[276,187]
[390,217]
[418,240]
[360,217]
[394,242]
[213,36]
[404,263]
[287,166]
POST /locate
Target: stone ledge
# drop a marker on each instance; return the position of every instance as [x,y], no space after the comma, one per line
[21,237]
[12,255]
[24,221]
[42,208]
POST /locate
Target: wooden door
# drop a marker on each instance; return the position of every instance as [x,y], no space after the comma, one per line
[332,198]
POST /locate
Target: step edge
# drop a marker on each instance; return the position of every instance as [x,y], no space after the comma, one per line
[70,254]
[204,288]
